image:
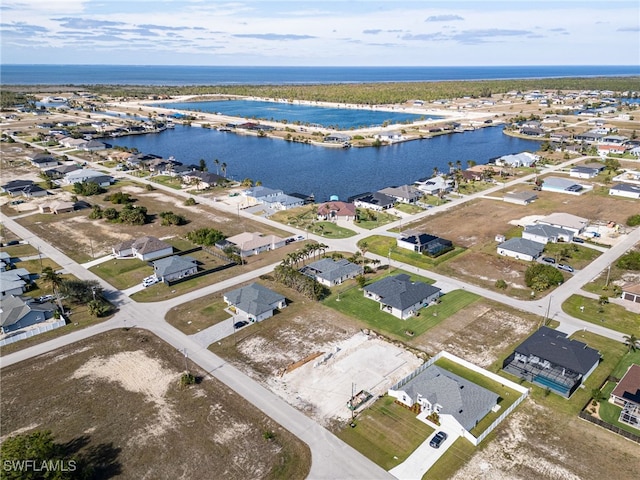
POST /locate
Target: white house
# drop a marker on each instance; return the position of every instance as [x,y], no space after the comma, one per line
[254,302]
[435,185]
[627,190]
[524,159]
[521,249]
[144,248]
[87,175]
[566,221]
[254,243]
[330,272]
[546,234]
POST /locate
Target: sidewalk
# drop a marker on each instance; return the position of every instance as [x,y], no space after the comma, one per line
[97,261]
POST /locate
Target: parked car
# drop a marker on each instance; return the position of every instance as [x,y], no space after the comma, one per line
[548,260]
[578,240]
[45,298]
[147,282]
[299,237]
[437,440]
[566,268]
[240,324]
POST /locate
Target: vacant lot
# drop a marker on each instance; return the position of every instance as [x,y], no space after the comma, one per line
[117,396]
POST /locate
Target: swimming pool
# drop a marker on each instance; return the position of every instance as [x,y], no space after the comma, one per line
[552,384]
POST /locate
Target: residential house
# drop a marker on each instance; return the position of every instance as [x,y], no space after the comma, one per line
[520,198]
[88,175]
[631,292]
[56,207]
[25,188]
[524,159]
[203,179]
[259,194]
[175,267]
[627,190]
[250,244]
[436,185]
[283,202]
[546,234]
[331,272]
[628,176]
[403,193]
[627,395]
[375,201]
[607,149]
[581,171]
[549,359]
[254,302]
[521,249]
[61,171]
[614,139]
[70,142]
[389,137]
[17,313]
[401,297]
[425,243]
[14,282]
[43,160]
[564,185]
[5,261]
[566,221]
[334,211]
[588,137]
[337,138]
[144,248]
[436,390]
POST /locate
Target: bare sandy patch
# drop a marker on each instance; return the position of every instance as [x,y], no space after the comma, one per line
[18,431]
[136,372]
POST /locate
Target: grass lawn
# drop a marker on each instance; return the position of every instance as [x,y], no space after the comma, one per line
[610,315]
[507,395]
[451,461]
[195,316]
[122,273]
[386,433]
[474,187]
[409,208]
[577,256]
[610,413]
[369,219]
[167,181]
[382,245]
[331,230]
[352,302]
[21,250]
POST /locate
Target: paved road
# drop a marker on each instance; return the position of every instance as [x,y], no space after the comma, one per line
[331,457]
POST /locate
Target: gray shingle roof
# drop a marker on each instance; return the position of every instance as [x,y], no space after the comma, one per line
[330,269]
[546,231]
[522,245]
[400,292]
[467,402]
[173,264]
[549,344]
[253,299]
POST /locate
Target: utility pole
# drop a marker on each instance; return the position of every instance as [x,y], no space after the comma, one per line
[608,273]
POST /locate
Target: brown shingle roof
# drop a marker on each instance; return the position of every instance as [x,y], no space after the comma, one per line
[629,387]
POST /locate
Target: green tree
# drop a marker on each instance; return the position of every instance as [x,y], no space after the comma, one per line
[81,291]
[540,277]
[629,261]
[203,165]
[631,341]
[205,236]
[54,279]
[633,220]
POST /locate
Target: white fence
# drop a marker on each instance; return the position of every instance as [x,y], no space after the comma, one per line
[33,332]
[496,378]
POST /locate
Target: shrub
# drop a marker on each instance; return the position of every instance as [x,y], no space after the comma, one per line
[633,220]
[149,187]
[170,218]
[190,201]
[187,379]
[205,236]
[629,261]
[540,277]
[501,284]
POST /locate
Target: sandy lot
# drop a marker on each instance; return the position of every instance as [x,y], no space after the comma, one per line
[324,385]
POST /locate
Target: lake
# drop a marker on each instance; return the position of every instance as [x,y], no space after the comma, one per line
[328,117]
[297,167]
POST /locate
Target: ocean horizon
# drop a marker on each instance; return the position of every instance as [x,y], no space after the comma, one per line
[179,75]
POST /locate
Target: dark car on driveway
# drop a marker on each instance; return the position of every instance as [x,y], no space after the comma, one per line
[240,324]
[437,440]
[578,240]
[548,260]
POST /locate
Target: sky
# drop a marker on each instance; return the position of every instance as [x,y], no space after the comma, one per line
[320,32]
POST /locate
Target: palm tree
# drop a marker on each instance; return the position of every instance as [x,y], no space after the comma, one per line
[435,171]
[216,162]
[53,278]
[223,167]
[631,341]
[458,165]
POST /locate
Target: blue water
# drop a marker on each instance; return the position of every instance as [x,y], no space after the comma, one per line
[339,118]
[547,382]
[296,167]
[218,75]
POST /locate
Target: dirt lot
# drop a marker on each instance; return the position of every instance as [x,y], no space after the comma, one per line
[117,396]
[474,225]
[536,442]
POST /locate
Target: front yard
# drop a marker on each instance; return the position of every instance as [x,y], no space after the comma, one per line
[608,315]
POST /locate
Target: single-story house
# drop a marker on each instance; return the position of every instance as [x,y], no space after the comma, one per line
[175,267]
[604,150]
[403,193]
[5,261]
[435,185]
[375,201]
[524,159]
[425,243]
[521,249]
[631,292]
[144,248]
[203,179]
[25,188]
[88,175]
[588,137]
[254,302]
[627,190]
[254,243]
[564,185]
[13,282]
[583,172]
[337,138]
[551,360]
[94,145]
[331,272]
[390,137]
[337,210]
[566,221]
[71,142]
[437,390]
[61,170]
[614,139]
[17,313]
[56,207]
[43,160]
[546,234]
[520,198]
[259,194]
[283,202]
[401,297]
[627,395]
